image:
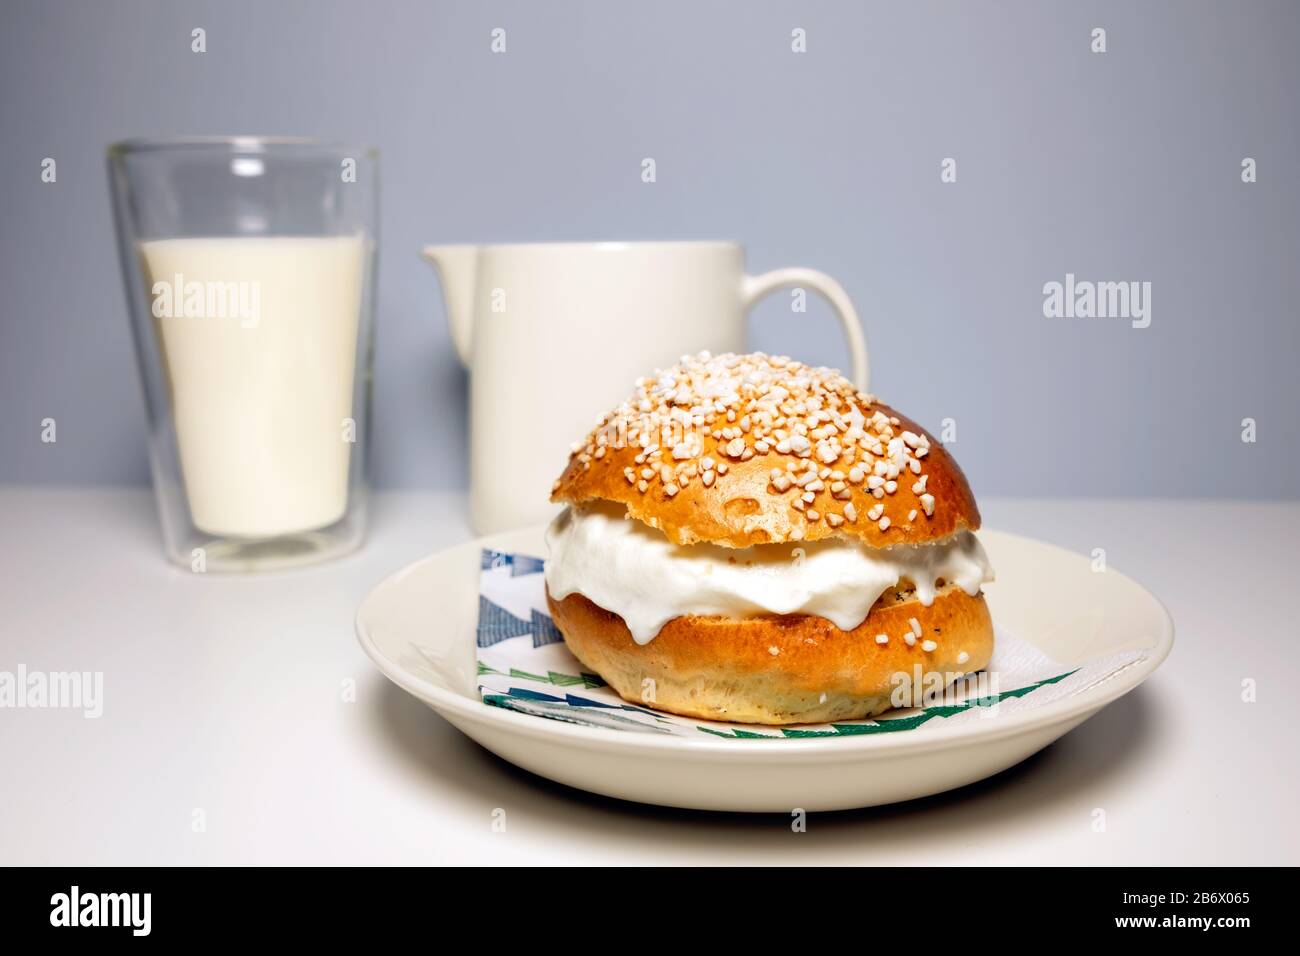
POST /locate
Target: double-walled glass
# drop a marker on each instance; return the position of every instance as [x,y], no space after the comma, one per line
[250,273]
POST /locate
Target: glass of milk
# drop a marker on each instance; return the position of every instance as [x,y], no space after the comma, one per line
[250,268]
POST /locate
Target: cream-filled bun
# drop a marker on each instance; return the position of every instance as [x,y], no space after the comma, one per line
[751,539]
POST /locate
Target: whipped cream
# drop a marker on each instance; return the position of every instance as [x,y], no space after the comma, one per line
[626,567]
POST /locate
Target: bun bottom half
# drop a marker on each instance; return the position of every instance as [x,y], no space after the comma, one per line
[787,669]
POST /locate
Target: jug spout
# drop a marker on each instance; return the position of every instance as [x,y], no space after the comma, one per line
[457,266]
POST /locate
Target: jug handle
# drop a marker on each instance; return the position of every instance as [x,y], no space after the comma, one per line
[755,287]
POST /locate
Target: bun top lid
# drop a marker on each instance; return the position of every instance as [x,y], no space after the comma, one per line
[738,450]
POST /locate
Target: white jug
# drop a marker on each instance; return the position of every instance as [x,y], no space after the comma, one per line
[555,335]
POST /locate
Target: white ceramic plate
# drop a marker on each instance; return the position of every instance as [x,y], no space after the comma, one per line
[419,625]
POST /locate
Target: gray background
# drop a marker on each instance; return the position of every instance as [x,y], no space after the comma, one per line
[1122,166]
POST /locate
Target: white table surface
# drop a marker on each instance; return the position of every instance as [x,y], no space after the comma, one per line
[225,694]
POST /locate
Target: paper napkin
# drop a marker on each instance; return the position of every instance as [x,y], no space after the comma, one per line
[523,665]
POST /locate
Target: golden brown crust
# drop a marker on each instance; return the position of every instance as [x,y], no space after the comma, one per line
[742,508]
[778,669]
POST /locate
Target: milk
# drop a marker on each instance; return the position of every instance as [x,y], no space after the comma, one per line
[259,339]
